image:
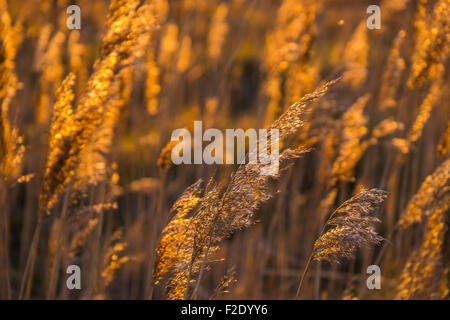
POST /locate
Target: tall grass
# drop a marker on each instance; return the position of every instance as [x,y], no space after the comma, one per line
[86,176]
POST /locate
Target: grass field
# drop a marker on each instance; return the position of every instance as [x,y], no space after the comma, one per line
[86,176]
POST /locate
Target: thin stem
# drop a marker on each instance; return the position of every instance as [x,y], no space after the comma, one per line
[27,279]
[304,275]
[56,261]
[195,293]
[155,231]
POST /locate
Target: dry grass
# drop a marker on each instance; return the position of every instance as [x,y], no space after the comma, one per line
[86,176]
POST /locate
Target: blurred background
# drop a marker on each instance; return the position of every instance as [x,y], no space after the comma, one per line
[231,64]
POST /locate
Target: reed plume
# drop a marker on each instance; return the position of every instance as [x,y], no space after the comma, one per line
[352,225]
[52,71]
[248,189]
[61,129]
[355,57]
[351,149]
[11,142]
[432,45]
[426,107]
[395,66]
[126,31]
[228,280]
[114,257]
[218,32]
[87,179]
[152,84]
[176,243]
[127,26]
[443,148]
[285,49]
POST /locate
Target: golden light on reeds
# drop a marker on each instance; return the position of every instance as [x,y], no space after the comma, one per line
[86,170]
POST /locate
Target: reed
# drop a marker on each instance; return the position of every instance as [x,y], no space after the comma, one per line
[86,171]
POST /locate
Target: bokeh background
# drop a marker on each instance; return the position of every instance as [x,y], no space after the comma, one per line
[231,64]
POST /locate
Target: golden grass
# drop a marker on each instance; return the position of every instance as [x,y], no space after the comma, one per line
[86,175]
